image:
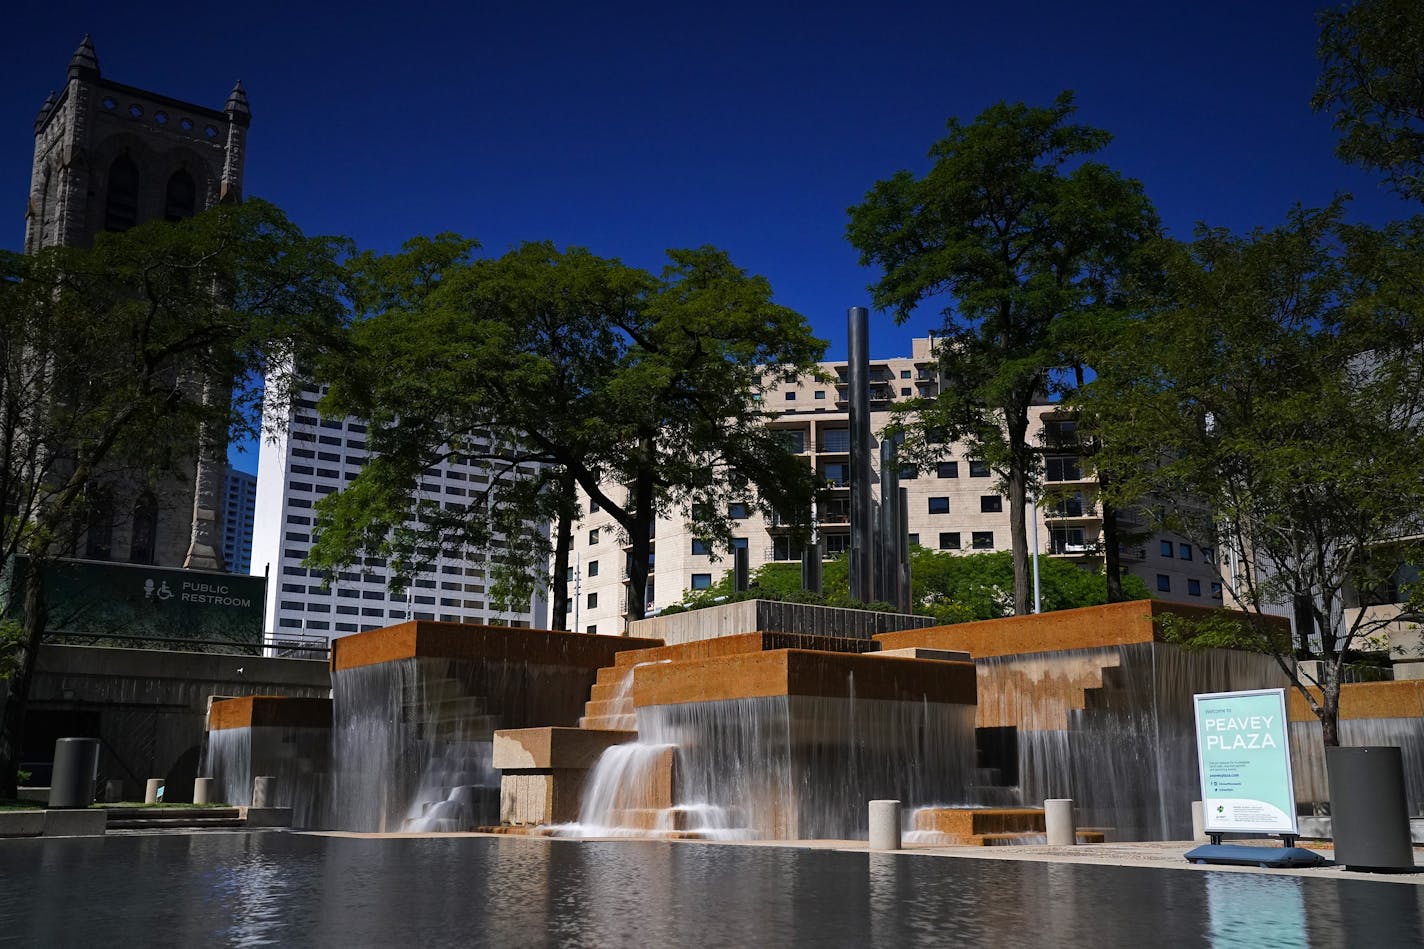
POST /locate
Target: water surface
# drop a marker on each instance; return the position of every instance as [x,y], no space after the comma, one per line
[301,890]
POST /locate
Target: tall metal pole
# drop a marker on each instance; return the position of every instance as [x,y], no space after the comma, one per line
[904,590]
[1033,519]
[887,553]
[862,514]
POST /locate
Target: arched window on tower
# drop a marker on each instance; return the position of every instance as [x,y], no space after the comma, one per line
[144,537]
[181,198]
[121,204]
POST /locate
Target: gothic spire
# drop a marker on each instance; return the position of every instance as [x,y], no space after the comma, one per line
[237,104]
[85,62]
[44,111]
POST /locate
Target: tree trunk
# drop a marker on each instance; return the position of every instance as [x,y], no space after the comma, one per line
[17,695]
[1330,712]
[563,541]
[1112,557]
[1020,457]
[641,542]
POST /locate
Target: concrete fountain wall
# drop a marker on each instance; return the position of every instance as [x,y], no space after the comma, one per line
[285,737]
[1091,704]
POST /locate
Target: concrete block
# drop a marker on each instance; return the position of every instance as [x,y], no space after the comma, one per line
[266,816]
[919,652]
[202,790]
[1062,830]
[264,791]
[884,825]
[1199,821]
[21,823]
[543,749]
[151,789]
[113,790]
[37,795]
[85,822]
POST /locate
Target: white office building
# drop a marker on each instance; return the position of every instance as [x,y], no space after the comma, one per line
[312,457]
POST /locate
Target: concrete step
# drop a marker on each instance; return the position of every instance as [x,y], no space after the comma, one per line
[173,823]
[605,709]
[609,722]
[609,692]
[966,822]
[170,813]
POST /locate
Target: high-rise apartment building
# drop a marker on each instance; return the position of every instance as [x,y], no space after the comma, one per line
[956,507]
[108,157]
[239,504]
[310,457]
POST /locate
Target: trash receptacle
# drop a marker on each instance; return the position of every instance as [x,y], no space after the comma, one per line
[1369,815]
[76,762]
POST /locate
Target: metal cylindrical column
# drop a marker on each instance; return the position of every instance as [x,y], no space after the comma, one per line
[741,569]
[1369,816]
[76,763]
[1058,821]
[862,515]
[811,565]
[904,599]
[887,559]
[884,825]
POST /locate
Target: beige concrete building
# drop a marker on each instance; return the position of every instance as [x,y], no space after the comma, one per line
[956,507]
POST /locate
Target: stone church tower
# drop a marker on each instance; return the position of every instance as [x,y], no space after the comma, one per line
[108,157]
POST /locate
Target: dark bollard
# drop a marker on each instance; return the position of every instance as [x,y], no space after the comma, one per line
[1369,817]
[76,763]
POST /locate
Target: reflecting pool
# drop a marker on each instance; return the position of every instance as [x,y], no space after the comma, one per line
[297,890]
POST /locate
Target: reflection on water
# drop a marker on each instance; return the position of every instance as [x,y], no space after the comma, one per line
[291,889]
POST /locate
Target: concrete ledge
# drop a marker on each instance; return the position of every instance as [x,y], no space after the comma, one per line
[422,638]
[1088,627]
[803,672]
[88,822]
[729,619]
[551,748]
[37,795]
[275,711]
[919,652]
[21,823]
[1359,700]
[266,816]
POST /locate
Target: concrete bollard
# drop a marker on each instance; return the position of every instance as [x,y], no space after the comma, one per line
[153,790]
[1198,821]
[202,790]
[264,791]
[884,825]
[114,790]
[1058,820]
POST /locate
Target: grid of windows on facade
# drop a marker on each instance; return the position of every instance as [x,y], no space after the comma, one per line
[324,456]
[1180,551]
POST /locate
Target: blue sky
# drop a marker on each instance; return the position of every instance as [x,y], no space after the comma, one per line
[631,128]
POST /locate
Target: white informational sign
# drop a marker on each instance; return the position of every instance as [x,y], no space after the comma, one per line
[1243,756]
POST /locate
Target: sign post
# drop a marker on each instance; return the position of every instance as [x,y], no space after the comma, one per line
[1244,763]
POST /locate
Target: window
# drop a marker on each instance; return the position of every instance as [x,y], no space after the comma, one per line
[913,539]
[145,530]
[836,544]
[593,568]
[1164,583]
[1067,540]
[1184,551]
[701,581]
[978,469]
[699,548]
[835,440]
[593,601]
[785,548]
[790,396]
[982,540]
[1062,469]
[592,506]
[836,475]
[904,373]
[905,391]
[737,511]
[121,202]
[593,537]
[593,629]
[739,543]
[1216,589]
[991,504]
[909,473]
[1208,555]
[1165,547]
[947,469]
[1194,587]
[181,197]
[939,505]
[949,540]
[794,439]
[821,394]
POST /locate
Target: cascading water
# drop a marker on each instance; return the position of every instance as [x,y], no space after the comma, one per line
[295,756]
[1112,728]
[1308,754]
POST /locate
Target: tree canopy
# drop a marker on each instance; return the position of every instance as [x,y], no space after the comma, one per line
[1372,83]
[106,353]
[642,390]
[1024,241]
[1272,401]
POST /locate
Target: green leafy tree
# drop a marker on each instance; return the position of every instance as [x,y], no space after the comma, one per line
[107,357]
[1272,400]
[1371,83]
[640,390]
[1022,240]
